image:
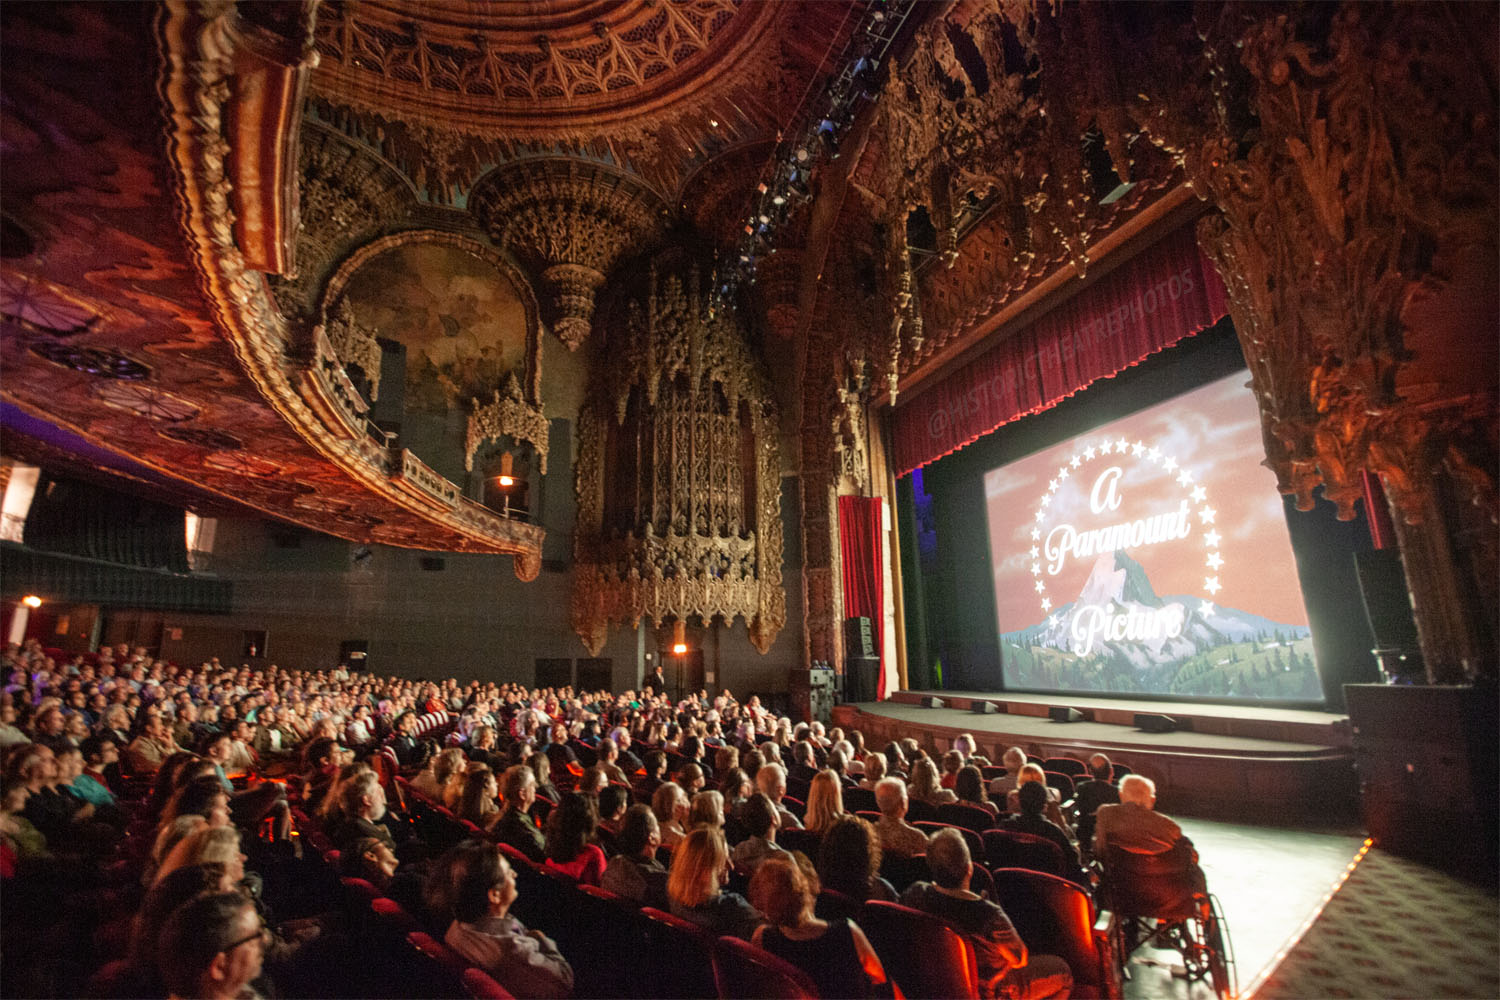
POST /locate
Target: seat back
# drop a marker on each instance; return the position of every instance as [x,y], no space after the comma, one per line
[832,904]
[918,810]
[1056,917]
[1062,782]
[901,872]
[800,840]
[680,956]
[925,957]
[964,815]
[1065,765]
[856,799]
[601,935]
[743,972]
[359,891]
[1010,849]
[437,970]
[1149,885]
[975,842]
[794,805]
[479,985]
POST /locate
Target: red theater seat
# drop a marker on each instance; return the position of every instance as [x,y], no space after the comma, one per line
[745,972]
[480,986]
[1056,917]
[925,957]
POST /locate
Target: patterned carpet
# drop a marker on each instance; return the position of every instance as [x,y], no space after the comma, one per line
[1392,929]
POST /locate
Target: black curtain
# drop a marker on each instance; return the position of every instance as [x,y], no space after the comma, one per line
[82,519]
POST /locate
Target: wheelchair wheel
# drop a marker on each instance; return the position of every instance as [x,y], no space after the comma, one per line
[1217,951]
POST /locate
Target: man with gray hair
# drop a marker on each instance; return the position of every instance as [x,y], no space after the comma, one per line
[771,780]
[897,836]
[1134,825]
[1014,759]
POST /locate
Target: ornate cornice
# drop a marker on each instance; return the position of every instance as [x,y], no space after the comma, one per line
[573,220]
[200,42]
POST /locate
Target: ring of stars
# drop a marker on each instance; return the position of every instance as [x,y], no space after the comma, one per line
[1201,516]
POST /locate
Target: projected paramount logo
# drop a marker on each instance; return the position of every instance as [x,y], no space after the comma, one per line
[1117,608]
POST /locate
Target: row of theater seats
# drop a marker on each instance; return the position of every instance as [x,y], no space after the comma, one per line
[621,950]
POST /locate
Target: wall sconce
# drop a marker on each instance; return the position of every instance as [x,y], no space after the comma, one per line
[31,601]
[679,637]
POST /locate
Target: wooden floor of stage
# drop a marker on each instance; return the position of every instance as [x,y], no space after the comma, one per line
[1234,763]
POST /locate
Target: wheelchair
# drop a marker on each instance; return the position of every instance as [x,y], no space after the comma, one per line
[1160,900]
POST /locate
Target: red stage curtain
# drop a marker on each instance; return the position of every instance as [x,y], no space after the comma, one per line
[1168,292]
[860,548]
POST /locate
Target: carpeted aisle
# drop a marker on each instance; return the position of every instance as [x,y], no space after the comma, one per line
[1394,929]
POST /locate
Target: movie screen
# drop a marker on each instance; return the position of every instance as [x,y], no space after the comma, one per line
[1151,556]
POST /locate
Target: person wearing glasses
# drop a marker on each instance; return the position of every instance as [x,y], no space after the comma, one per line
[213,947]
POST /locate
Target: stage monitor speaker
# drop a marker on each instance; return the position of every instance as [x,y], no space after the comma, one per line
[933,702]
[1148,723]
[858,639]
[1062,713]
[980,707]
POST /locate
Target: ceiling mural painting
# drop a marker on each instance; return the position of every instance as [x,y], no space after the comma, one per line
[464,324]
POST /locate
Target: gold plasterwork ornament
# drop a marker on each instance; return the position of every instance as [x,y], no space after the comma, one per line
[510,414]
[571,220]
[355,345]
[679,475]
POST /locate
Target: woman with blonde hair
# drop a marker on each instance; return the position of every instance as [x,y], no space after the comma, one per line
[874,770]
[207,845]
[825,802]
[695,886]
[707,809]
[924,784]
[835,954]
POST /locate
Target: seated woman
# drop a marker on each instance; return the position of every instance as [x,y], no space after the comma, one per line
[478,802]
[835,954]
[670,804]
[707,809]
[874,770]
[825,803]
[442,778]
[849,861]
[969,787]
[634,872]
[570,830]
[526,963]
[924,784]
[952,761]
[700,865]
[542,768]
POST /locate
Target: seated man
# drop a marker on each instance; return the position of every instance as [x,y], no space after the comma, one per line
[212,947]
[1095,791]
[1134,825]
[1033,800]
[515,825]
[363,801]
[1005,968]
[771,780]
[527,963]
[897,836]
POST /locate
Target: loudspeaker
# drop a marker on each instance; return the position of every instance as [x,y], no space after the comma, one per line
[1147,723]
[1062,713]
[860,676]
[858,639]
[932,702]
[984,708]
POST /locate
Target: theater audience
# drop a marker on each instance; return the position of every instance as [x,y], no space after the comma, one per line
[484,932]
[835,954]
[1006,969]
[695,886]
